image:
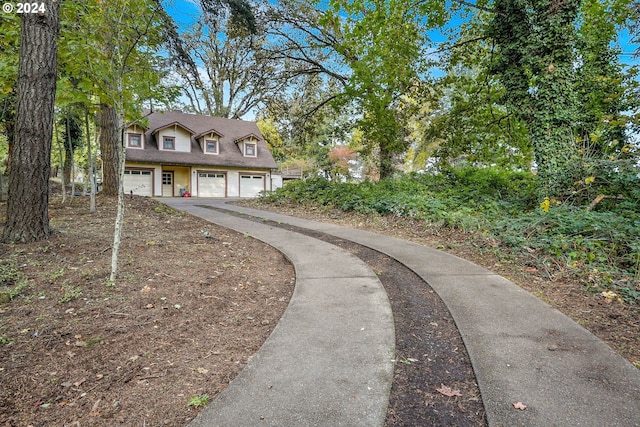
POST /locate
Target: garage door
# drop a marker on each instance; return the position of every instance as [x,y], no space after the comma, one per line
[211,184]
[251,185]
[138,181]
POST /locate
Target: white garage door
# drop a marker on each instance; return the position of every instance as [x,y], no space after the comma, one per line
[138,181]
[251,185]
[211,184]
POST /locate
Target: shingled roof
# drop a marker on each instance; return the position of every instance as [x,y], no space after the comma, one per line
[230,132]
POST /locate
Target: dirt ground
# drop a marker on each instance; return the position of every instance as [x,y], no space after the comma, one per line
[193,302]
[616,323]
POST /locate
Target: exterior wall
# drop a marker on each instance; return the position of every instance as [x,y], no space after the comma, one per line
[202,142]
[181,178]
[233,184]
[276,182]
[187,177]
[183,138]
[135,129]
[251,140]
[233,178]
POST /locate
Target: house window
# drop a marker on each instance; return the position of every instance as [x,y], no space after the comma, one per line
[168,143]
[167,178]
[250,149]
[211,146]
[135,140]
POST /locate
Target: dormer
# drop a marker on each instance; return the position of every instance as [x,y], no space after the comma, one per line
[248,145]
[174,137]
[134,136]
[209,141]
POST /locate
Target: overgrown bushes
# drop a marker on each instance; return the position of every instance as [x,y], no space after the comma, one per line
[602,244]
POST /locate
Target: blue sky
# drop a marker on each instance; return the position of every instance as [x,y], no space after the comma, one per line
[185,12]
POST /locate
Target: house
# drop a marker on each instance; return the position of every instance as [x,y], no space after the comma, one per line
[200,156]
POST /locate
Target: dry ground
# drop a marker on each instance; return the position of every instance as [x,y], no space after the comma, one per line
[184,317]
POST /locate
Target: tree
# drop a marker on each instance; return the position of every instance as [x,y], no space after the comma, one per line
[535,61]
[235,74]
[72,138]
[602,85]
[340,158]
[272,138]
[129,71]
[307,124]
[139,37]
[374,53]
[9,56]
[27,207]
[459,118]
[122,54]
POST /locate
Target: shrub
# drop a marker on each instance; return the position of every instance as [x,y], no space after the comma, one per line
[504,204]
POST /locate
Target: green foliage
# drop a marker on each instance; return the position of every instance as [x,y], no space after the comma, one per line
[603,244]
[563,78]
[198,401]
[542,42]
[467,121]
[428,196]
[619,179]
[110,50]
[382,44]
[71,293]
[604,88]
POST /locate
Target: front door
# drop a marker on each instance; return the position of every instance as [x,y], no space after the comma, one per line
[167,184]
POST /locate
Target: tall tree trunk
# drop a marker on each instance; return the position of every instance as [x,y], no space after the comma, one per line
[27,208]
[68,153]
[60,162]
[109,129]
[91,159]
[386,162]
[119,225]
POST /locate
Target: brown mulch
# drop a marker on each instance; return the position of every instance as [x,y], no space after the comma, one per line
[185,315]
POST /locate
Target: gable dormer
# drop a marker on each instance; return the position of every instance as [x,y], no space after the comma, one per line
[173,137]
[134,136]
[209,141]
[248,145]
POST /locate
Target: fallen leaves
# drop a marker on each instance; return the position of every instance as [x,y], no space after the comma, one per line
[611,296]
[520,405]
[448,391]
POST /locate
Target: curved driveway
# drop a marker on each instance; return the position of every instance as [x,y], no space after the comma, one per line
[522,350]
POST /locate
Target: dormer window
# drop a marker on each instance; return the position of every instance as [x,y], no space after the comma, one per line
[135,140]
[168,143]
[211,146]
[250,149]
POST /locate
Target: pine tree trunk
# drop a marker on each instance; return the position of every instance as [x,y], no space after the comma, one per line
[109,146]
[27,207]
